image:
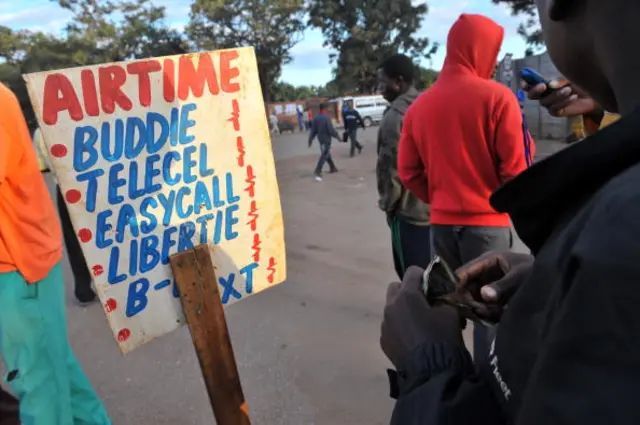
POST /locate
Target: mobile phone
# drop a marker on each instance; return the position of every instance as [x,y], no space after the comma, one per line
[438,280]
[440,285]
[533,78]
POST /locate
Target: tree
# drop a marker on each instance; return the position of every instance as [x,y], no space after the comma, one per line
[530,28]
[100,31]
[25,52]
[272,27]
[140,30]
[364,32]
[425,78]
[284,92]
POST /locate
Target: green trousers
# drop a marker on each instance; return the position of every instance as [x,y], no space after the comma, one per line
[41,368]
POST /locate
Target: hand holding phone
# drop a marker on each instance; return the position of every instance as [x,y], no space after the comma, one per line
[561,99]
[440,285]
[533,78]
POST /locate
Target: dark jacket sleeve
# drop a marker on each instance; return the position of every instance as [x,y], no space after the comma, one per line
[359,119]
[438,385]
[588,370]
[314,131]
[332,131]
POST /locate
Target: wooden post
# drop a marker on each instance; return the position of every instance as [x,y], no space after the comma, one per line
[198,286]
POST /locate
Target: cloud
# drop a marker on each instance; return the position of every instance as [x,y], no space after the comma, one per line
[47,17]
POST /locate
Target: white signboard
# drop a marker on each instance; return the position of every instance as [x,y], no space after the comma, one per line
[155,157]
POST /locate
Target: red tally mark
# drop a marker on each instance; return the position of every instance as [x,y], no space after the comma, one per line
[235,115]
[241,151]
[253,214]
[250,189]
[256,247]
[251,182]
[272,269]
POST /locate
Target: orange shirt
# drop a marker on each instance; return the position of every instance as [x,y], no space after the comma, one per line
[30,235]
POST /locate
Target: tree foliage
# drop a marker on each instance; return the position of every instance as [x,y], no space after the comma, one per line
[100,31]
[283,92]
[272,27]
[139,31]
[530,28]
[425,78]
[364,32]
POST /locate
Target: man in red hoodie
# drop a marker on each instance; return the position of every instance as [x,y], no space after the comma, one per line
[460,141]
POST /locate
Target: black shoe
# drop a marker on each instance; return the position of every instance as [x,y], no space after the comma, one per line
[335,170]
[359,149]
[85,298]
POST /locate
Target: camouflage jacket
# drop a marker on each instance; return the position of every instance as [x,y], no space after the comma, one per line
[394,198]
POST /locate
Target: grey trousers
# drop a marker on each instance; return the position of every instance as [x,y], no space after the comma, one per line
[457,245]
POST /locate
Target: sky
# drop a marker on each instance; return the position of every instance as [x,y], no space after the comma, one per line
[310,63]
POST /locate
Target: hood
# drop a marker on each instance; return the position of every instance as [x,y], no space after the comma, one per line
[473,45]
[402,102]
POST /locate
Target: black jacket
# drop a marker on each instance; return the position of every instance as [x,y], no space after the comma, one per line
[352,119]
[567,350]
[322,127]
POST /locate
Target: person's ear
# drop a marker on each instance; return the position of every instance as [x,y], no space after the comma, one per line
[560,10]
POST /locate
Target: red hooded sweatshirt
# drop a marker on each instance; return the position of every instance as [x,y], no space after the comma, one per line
[463,138]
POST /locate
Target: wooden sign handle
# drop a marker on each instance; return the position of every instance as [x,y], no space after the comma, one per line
[196,280]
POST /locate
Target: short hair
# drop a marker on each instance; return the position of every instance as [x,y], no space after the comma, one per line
[398,66]
[324,105]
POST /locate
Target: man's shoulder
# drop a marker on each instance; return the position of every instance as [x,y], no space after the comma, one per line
[614,213]
[391,120]
[497,92]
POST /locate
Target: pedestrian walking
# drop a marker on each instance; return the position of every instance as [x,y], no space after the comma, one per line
[41,368]
[322,127]
[352,121]
[300,115]
[273,122]
[407,215]
[309,119]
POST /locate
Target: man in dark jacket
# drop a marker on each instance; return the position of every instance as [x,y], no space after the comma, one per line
[322,127]
[567,348]
[352,120]
[407,216]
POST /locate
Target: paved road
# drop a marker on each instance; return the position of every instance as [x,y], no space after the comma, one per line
[308,349]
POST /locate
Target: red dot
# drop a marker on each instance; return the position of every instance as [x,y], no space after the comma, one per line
[124,335]
[110,305]
[84,235]
[72,196]
[58,150]
[97,270]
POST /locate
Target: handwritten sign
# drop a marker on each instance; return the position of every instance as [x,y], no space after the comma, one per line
[154,157]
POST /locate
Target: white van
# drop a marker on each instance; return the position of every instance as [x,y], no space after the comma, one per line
[370,108]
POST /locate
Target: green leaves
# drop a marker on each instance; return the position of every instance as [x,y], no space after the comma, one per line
[272,27]
[364,32]
[100,31]
[530,28]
